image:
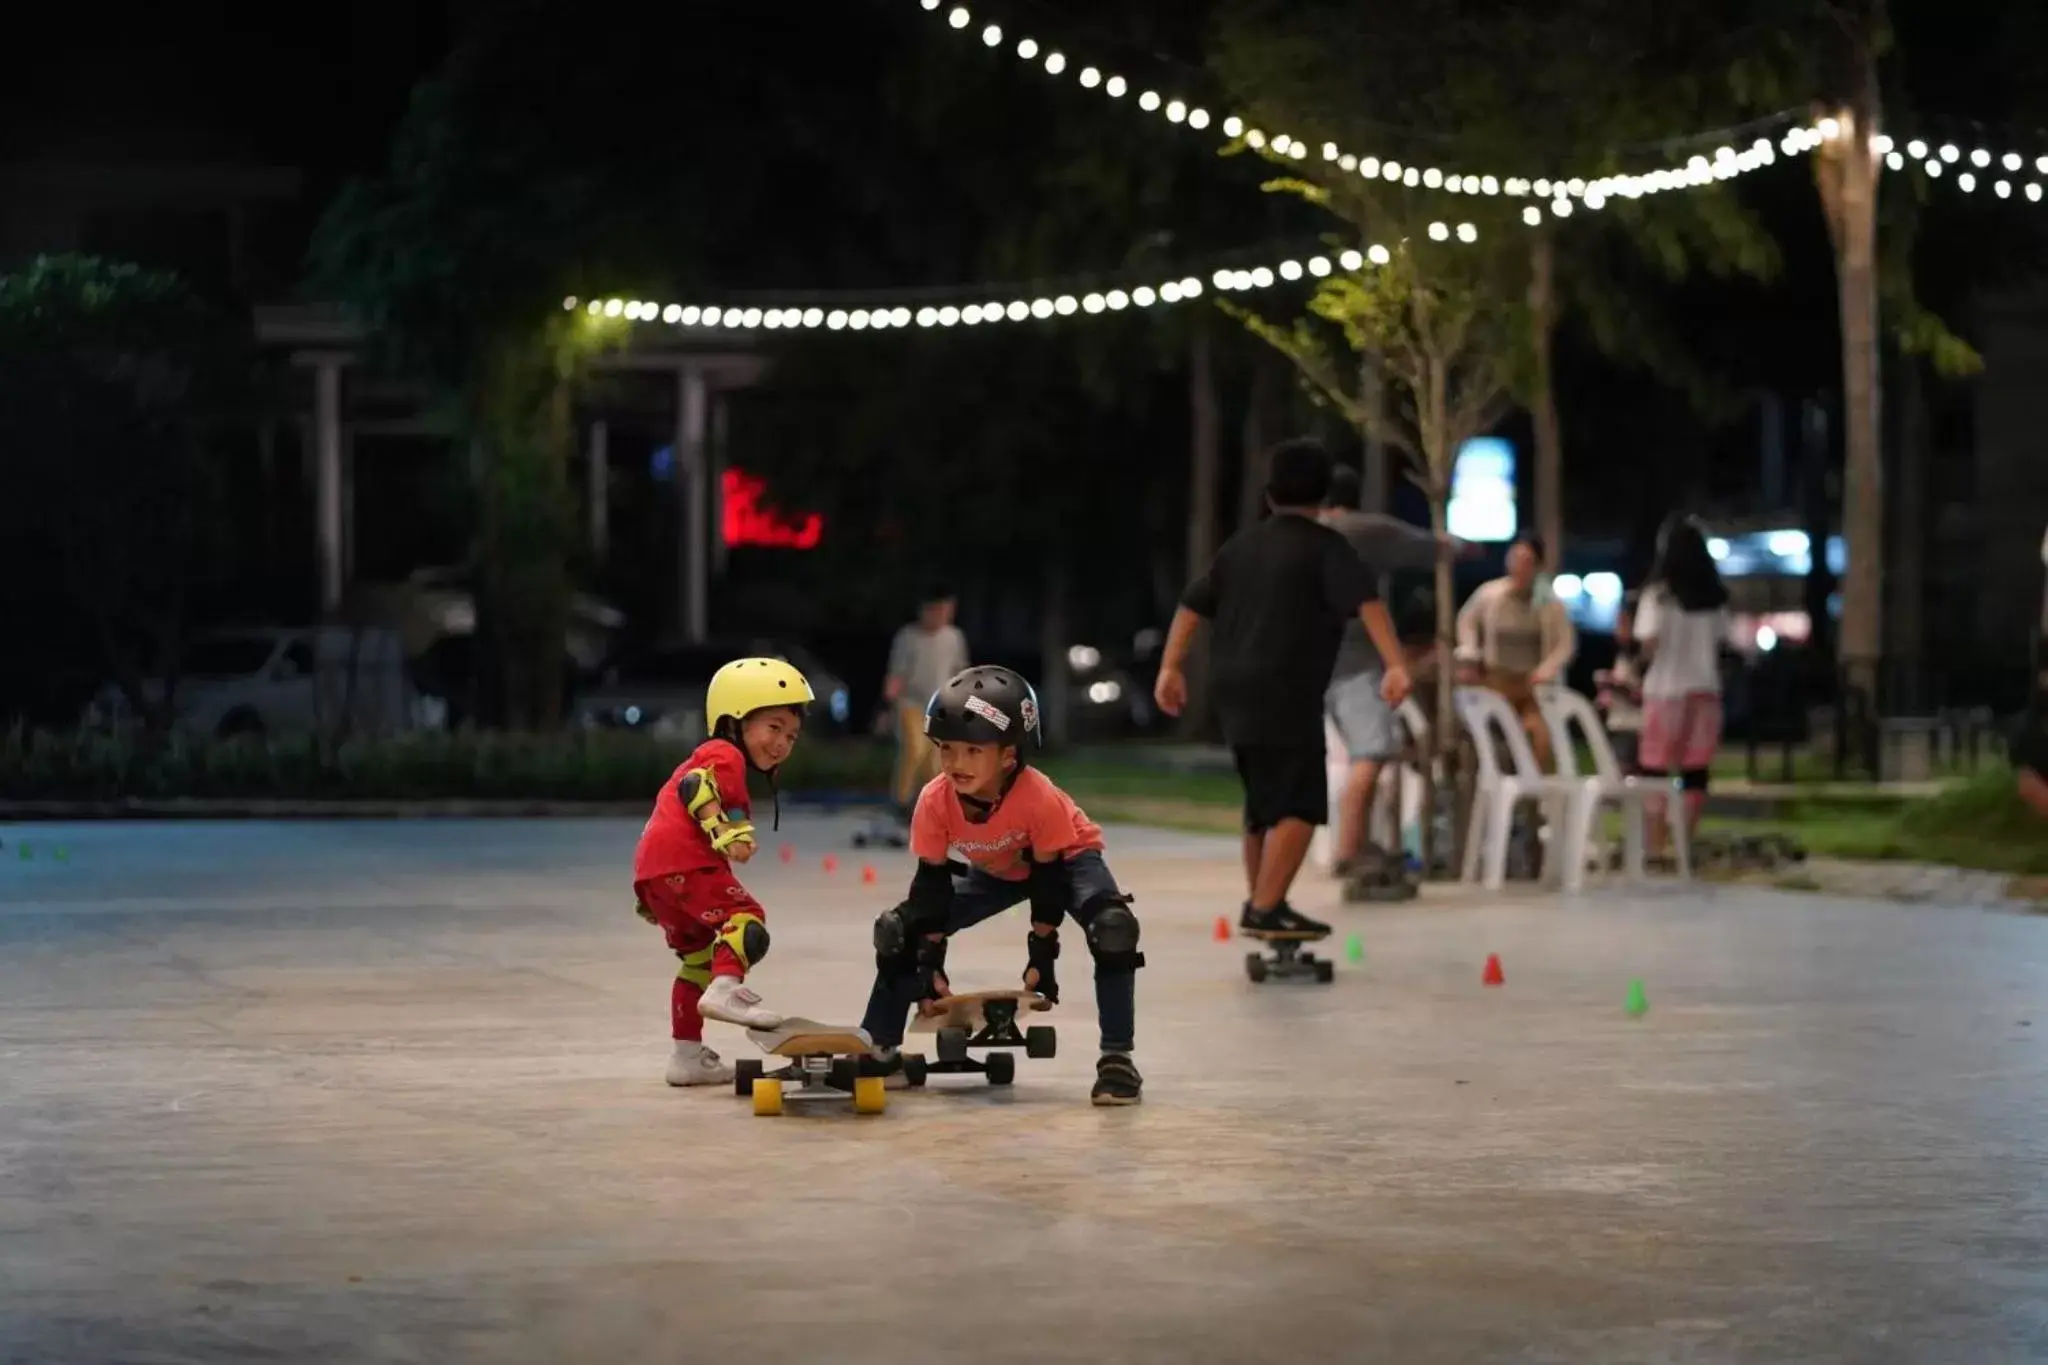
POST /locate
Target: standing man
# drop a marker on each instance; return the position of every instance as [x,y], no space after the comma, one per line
[922,657]
[1362,716]
[1279,594]
[1513,643]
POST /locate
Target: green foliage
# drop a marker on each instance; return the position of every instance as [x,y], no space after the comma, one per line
[118,387]
[576,766]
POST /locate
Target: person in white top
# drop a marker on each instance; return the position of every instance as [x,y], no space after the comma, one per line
[1681,624]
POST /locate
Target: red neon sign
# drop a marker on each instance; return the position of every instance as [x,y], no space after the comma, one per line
[747,522]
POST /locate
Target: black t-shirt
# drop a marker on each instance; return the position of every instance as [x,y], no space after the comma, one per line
[1278,595]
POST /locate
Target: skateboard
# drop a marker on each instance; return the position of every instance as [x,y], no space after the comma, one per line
[1290,959]
[824,1063]
[982,1019]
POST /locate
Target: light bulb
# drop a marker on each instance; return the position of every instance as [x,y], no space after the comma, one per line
[1242,279]
[1595,199]
[1143,297]
[2034,194]
[596,307]
[1967,181]
[1319,266]
[672,314]
[929,5]
[959,18]
[1829,128]
[1198,118]
[1949,152]
[1149,101]
[1233,126]
[1724,153]
[836,319]
[1543,189]
[1041,308]
[772,319]
[612,308]
[1092,304]
[1432,177]
[1176,112]
[1065,305]
[1329,151]
[1378,254]
[1027,48]
[1369,166]
[1561,207]
[1116,299]
[1116,87]
[1895,161]
[813,316]
[1532,215]
[1467,233]
[1055,63]
[1170,291]
[1255,139]
[1347,162]
[1290,270]
[1017,311]
[1297,149]
[1191,288]
[1488,185]
[1575,188]
[971,315]
[1980,158]
[1221,279]
[1439,232]
[1090,77]
[1282,143]
[2004,189]
[1262,278]
[1411,177]
[948,315]
[1916,149]
[1350,260]
[857,319]
[900,318]
[993,35]
[2041,165]
[1933,167]
[1882,143]
[927,316]
[1390,171]
[2011,161]
[569,304]
[712,317]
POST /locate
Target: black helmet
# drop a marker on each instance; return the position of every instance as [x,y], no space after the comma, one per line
[984,705]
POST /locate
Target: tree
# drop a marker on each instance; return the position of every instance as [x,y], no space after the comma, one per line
[118,390]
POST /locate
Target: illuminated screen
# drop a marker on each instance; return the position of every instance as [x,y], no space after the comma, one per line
[1483,491]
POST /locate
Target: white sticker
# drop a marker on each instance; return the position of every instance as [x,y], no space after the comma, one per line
[1029,710]
[991,714]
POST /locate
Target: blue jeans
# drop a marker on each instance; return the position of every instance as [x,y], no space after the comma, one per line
[978,896]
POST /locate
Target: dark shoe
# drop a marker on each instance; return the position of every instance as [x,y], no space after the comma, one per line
[1281,919]
[889,1068]
[1117,1081]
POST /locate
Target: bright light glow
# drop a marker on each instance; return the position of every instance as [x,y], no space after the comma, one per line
[1104,692]
[1980,158]
[1482,504]
[1467,233]
[1116,87]
[1532,215]
[1561,207]
[1198,118]
[2041,164]
[1830,128]
[857,319]
[1967,181]
[1369,167]
[1018,311]
[1717,547]
[973,313]
[1350,260]
[612,308]
[2012,161]
[569,304]
[2004,189]
[596,307]
[1149,101]
[1170,291]
[1439,232]
[692,313]
[1566,586]
[1330,151]
[1191,288]
[772,319]
[1379,255]
[1933,167]
[1604,588]
[1319,266]
[1065,305]
[1090,77]
[1297,149]
[1092,304]
[1083,658]
[1116,299]
[1543,189]
[2034,193]
[672,314]
[1411,177]
[1949,152]
[1143,297]
[1233,126]
[1054,63]
[1432,177]
[1255,139]
[1766,639]
[1787,544]
[1176,112]
[1895,161]
[1041,308]
[1262,278]
[1917,149]
[1290,270]
[948,316]
[959,18]
[1390,171]
[926,317]
[1027,48]
[993,35]
[712,317]
[929,5]
[1222,279]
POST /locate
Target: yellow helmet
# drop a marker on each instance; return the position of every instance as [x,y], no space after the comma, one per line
[744,686]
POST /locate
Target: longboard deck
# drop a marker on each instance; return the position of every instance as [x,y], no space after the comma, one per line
[970,1011]
[809,1038]
[1285,935]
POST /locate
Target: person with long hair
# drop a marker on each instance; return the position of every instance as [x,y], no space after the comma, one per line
[1680,625]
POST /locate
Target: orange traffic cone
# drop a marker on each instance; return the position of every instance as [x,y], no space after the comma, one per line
[831,863]
[1223,928]
[867,876]
[1493,975]
[789,853]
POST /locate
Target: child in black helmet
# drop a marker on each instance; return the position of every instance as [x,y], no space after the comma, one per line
[1023,839]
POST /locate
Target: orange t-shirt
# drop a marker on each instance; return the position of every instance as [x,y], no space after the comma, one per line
[673,841]
[1033,818]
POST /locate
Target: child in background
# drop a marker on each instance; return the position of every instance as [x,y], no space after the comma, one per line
[682,870]
[1024,839]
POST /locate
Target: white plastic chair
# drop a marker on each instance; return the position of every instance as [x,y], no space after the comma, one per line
[1397,800]
[1337,770]
[1491,722]
[1566,711]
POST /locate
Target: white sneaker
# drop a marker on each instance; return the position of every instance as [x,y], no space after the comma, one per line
[728,999]
[696,1064]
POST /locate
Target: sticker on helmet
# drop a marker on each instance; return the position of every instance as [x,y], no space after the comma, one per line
[1028,709]
[992,714]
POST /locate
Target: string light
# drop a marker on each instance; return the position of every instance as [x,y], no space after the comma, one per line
[2023,176]
[1560,196]
[1037,306]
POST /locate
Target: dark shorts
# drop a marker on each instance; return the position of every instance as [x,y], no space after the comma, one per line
[1283,782]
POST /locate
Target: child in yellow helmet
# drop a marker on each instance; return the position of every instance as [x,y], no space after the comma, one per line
[682,871]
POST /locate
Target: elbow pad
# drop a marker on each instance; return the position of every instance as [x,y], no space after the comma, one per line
[699,792]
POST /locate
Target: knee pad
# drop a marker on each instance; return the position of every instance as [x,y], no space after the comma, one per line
[1113,935]
[1693,779]
[894,942]
[696,967]
[747,936]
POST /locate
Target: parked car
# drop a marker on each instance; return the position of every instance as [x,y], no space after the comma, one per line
[661,690]
[280,681]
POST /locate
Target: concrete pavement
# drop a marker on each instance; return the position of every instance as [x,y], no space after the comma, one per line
[392,1092]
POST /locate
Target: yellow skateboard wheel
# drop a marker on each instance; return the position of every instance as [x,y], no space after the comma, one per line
[767,1097]
[869,1095]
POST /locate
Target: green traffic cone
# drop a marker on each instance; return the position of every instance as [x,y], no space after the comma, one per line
[26,854]
[1354,949]
[1637,1003]
[61,853]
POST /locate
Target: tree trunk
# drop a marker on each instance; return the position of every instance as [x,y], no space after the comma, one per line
[1258,433]
[1204,473]
[1056,698]
[1847,176]
[1543,404]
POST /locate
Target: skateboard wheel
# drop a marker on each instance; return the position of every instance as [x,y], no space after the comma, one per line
[745,1072]
[914,1068]
[767,1097]
[843,1072]
[952,1044]
[1002,1068]
[1326,972]
[1255,967]
[860,841]
[1042,1041]
[870,1095]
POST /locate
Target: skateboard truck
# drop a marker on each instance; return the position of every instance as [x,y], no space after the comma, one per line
[1288,959]
[823,1063]
[987,1020]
